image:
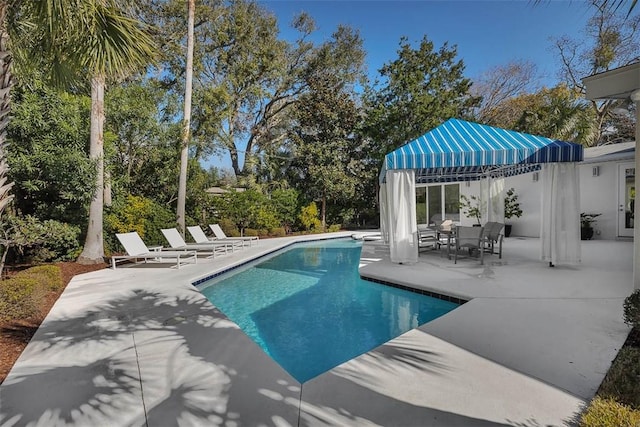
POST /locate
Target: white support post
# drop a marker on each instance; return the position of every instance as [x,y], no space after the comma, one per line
[635,97]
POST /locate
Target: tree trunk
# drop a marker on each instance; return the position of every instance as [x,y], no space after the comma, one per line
[6,81]
[186,122]
[324,212]
[93,252]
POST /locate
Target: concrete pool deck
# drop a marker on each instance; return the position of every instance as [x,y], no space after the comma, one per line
[141,346]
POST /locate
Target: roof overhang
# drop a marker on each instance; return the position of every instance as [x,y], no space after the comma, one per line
[618,83]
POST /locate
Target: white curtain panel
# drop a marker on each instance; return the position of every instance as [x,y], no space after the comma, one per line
[496,200]
[485,188]
[560,219]
[403,229]
[384,214]
[492,199]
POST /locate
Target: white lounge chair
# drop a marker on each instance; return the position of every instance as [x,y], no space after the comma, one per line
[219,233]
[210,248]
[136,250]
[199,237]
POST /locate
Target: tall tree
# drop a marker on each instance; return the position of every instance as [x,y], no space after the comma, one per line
[109,44]
[499,84]
[49,137]
[612,41]
[420,89]
[557,113]
[142,141]
[326,140]
[186,120]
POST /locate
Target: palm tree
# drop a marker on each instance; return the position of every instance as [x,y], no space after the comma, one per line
[111,45]
[5,103]
[186,121]
[92,36]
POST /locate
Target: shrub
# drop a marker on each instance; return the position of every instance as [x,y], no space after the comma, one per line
[609,413]
[49,275]
[229,227]
[21,296]
[334,227]
[278,232]
[139,214]
[251,232]
[309,217]
[632,309]
[39,241]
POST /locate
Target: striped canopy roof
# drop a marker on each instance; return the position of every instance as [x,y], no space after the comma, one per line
[459,150]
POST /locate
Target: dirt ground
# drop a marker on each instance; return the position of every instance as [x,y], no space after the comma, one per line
[15,335]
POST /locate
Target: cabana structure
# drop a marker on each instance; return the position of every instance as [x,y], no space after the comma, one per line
[621,83]
[459,150]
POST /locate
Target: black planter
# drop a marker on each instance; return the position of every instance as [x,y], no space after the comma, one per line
[507,230]
[586,233]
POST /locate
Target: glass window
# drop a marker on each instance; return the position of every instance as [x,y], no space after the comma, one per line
[452,202]
[438,202]
[421,205]
[435,204]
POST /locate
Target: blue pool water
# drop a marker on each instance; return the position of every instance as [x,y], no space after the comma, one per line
[310,311]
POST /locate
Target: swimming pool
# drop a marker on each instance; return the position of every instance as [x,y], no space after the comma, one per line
[310,311]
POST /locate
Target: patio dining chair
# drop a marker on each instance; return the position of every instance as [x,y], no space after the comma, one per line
[469,239]
[427,237]
[493,235]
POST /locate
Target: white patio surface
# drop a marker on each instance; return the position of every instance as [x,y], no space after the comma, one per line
[141,346]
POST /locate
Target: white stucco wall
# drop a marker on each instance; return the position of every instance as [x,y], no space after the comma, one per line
[598,194]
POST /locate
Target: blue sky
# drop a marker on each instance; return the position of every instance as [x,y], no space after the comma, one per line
[486,33]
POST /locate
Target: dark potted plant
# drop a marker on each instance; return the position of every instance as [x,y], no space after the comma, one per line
[471,208]
[511,209]
[586,225]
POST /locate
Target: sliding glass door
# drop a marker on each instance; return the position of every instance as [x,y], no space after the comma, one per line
[437,202]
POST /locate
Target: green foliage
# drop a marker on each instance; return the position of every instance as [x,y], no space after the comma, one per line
[253,232]
[19,298]
[229,227]
[471,207]
[557,113]
[49,134]
[278,232]
[285,206]
[37,241]
[327,163]
[423,88]
[334,228]
[136,213]
[50,275]
[621,382]
[511,205]
[632,311]
[309,217]
[142,152]
[609,413]
[22,295]
[245,209]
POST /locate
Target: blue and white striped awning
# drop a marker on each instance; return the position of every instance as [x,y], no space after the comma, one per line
[459,150]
